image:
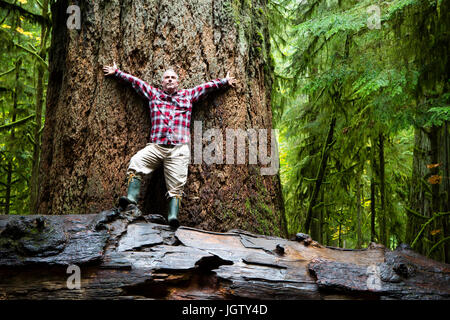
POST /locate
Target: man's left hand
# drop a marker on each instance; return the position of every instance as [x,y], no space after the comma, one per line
[109,70]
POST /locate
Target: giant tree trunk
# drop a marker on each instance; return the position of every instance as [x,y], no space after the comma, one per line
[125,255]
[94,125]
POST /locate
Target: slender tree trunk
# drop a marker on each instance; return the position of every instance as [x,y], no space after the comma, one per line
[429,191]
[373,236]
[372,210]
[363,196]
[8,187]
[382,213]
[315,224]
[320,174]
[314,230]
[340,230]
[327,223]
[94,125]
[10,168]
[38,117]
[321,217]
[444,137]
[37,139]
[430,187]
[435,194]
[420,204]
[358,210]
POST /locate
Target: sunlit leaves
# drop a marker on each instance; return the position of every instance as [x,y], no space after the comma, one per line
[435,232]
[438,115]
[434,165]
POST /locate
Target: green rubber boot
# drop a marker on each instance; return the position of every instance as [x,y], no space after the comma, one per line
[134,187]
[174,207]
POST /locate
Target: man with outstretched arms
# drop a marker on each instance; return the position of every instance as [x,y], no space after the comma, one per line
[170,112]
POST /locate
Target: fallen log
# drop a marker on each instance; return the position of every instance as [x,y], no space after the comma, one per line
[127,255]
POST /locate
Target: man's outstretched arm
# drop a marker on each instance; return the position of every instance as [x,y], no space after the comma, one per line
[142,87]
[199,91]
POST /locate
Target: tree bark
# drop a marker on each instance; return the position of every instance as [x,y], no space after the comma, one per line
[34,186]
[382,214]
[429,194]
[10,169]
[373,235]
[94,125]
[359,191]
[127,255]
[430,183]
[444,136]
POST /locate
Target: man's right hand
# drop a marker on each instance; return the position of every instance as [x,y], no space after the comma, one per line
[109,70]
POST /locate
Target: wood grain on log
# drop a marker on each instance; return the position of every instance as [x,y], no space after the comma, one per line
[127,255]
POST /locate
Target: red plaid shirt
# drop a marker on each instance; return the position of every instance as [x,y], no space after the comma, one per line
[170,114]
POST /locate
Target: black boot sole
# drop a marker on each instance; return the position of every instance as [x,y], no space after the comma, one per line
[174,223]
[124,202]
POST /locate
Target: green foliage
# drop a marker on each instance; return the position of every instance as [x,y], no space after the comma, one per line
[20,38]
[439,111]
[330,62]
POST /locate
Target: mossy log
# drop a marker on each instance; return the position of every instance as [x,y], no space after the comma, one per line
[127,255]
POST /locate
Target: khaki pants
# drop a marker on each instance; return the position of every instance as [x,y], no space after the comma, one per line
[174,159]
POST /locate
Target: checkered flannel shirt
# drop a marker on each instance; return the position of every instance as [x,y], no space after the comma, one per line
[170,114]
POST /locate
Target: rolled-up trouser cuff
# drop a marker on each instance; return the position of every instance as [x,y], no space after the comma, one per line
[132,174]
[175,194]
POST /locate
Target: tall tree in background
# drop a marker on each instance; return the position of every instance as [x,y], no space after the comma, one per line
[429,211]
[94,125]
[41,68]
